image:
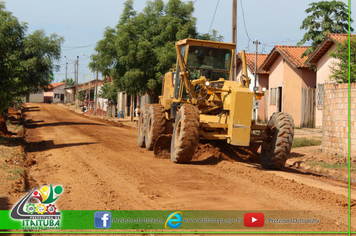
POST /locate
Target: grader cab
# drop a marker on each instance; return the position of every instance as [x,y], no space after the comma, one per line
[199,101]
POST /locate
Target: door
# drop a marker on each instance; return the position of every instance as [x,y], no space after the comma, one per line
[279,99]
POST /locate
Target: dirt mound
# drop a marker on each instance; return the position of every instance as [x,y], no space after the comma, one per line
[215,151]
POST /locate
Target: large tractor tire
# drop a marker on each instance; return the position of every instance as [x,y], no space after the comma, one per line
[142,127]
[276,150]
[155,125]
[185,136]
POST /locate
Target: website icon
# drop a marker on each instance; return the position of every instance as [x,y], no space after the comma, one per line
[102,220]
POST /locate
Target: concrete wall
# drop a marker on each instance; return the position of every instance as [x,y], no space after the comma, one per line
[276,74]
[308,78]
[36,97]
[335,119]
[322,76]
[292,92]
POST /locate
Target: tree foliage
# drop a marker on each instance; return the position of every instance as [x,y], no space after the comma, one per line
[141,47]
[324,17]
[108,91]
[69,82]
[340,70]
[26,61]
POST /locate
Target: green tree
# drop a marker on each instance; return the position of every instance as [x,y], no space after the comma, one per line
[70,81]
[141,47]
[324,17]
[340,70]
[108,91]
[26,61]
[212,37]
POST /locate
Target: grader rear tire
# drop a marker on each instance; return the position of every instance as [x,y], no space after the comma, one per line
[185,136]
[142,128]
[155,124]
[276,150]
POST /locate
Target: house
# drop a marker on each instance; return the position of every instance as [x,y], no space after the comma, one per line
[262,79]
[55,93]
[289,82]
[89,88]
[323,63]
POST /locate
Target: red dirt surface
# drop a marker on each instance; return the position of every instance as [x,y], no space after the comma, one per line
[101,167]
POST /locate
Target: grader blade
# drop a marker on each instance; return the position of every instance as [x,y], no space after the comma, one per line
[162,147]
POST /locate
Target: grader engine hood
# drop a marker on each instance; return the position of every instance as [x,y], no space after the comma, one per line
[239,103]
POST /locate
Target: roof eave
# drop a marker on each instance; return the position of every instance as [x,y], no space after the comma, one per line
[316,51]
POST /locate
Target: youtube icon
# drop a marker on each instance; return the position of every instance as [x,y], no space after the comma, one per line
[254,220]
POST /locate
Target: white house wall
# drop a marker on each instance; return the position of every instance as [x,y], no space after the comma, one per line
[58,90]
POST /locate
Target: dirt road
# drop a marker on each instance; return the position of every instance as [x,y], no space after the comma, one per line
[101,167]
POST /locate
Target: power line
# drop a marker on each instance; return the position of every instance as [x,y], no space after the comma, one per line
[213,16]
[243,17]
[72,48]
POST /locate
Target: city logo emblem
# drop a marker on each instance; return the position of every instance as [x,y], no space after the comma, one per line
[41,213]
[174,220]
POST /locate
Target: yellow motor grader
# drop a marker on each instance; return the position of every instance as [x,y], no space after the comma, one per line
[199,101]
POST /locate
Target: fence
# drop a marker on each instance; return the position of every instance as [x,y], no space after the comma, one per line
[335,119]
[308,108]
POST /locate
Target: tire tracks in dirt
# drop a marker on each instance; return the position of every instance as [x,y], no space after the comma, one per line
[101,167]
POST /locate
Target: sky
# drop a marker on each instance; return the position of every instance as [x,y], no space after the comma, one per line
[82,23]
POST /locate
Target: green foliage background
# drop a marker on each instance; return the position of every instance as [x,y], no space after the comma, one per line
[340,70]
[324,17]
[26,61]
[141,47]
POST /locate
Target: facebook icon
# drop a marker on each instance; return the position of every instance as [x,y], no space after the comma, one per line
[102,219]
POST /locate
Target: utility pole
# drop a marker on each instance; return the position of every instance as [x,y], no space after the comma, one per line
[233,38]
[76,82]
[255,88]
[96,91]
[89,85]
[84,89]
[66,83]
[66,72]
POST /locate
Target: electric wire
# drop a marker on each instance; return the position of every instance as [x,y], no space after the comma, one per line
[243,17]
[72,48]
[212,21]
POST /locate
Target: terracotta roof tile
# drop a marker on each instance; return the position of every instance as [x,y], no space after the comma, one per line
[292,54]
[86,85]
[337,37]
[250,61]
[325,45]
[54,85]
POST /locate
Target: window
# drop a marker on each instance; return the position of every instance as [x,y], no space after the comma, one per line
[273,96]
[56,95]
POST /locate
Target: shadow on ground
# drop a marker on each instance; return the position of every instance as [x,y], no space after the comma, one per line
[49,144]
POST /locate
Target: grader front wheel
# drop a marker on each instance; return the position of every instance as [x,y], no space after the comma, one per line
[155,124]
[276,150]
[185,136]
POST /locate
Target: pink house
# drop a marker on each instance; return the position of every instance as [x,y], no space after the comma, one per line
[288,75]
[323,63]
[262,79]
